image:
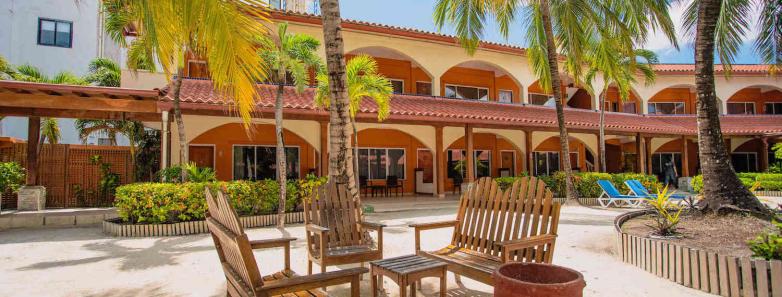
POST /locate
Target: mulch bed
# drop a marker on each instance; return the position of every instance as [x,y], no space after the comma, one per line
[726,235]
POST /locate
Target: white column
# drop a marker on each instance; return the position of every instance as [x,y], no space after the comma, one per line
[164,135]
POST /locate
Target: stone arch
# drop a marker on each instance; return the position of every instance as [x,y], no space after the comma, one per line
[754,95]
[551,144]
[482,74]
[496,143]
[397,65]
[578,97]
[612,97]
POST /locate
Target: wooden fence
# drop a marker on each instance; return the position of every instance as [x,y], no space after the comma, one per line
[66,170]
[699,269]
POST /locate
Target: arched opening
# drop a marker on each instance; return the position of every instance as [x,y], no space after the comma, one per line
[756,100]
[671,152]
[384,153]
[406,75]
[614,102]
[236,155]
[678,99]
[495,156]
[547,157]
[479,80]
[576,97]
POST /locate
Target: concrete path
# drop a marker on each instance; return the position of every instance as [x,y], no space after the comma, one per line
[84,262]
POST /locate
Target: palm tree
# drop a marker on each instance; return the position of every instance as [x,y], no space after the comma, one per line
[363,82]
[223,32]
[294,54]
[720,25]
[570,23]
[619,71]
[340,153]
[103,72]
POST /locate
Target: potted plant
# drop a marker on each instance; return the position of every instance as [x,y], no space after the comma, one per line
[537,280]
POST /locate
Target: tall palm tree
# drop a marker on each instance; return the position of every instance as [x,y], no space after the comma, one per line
[618,71]
[294,55]
[340,153]
[363,82]
[558,24]
[223,32]
[720,25]
[104,72]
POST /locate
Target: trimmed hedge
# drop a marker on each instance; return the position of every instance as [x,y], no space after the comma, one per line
[171,203]
[586,182]
[767,181]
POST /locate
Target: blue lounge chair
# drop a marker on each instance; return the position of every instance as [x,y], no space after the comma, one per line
[638,189]
[612,196]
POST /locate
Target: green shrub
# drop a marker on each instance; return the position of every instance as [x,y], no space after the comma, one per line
[586,182]
[169,203]
[199,174]
[768,245]
[11,176]
[766,181]
[697,183]
[774,177]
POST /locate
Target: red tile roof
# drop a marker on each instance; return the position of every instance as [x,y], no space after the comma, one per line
[718,68]
[199,95]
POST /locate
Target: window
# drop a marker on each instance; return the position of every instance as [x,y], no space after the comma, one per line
[546,163]
[774,108]
[629,107]
[260,162]
[276,4]
[744,162]
[538,99]
[457,159]
[508,160]
[398,85]
[505,96]
[197,69]
[659,161]
[462,92]
[423,88]
[666,108]
[741,108]
[55,33]
[379,163]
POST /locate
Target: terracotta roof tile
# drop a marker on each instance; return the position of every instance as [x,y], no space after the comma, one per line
[436,109]
[690,68]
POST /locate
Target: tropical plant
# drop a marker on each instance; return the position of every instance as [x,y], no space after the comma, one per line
[619,71]
[11,176]
[667,215]
[364,82]
[103,72]
[718,27]
[558,24]
[222,32]
[109,180]
[293,55]
[7,71]
[133,130]
[171,174]
[148,155]
[340,153]
[200,174]
[768,245]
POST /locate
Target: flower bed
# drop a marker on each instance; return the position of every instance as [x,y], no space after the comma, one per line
[116,227]
[697,268]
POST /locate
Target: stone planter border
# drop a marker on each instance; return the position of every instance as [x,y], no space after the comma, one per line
[769,193]
[115,227]
[699,269]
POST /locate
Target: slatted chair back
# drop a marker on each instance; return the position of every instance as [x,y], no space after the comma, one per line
[487,215]
[233,247]
[332,206]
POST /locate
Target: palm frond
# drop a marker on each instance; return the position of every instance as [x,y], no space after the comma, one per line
[467,17]
[50,129]
[67,78]
[769,42]
[363,82]
[30,73]
[732,25]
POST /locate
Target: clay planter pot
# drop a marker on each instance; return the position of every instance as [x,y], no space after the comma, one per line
[537,280]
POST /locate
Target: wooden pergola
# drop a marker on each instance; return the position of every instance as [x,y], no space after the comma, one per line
[36,100]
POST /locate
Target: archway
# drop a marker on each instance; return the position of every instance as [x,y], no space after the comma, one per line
[576,97]
[678,99]
[385,152]
[406,75]
[614,102]
[480,80]
[664,150]
[761,99]
[494,156]
[239,155]
[547,157]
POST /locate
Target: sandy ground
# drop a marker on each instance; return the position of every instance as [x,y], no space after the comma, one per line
[84,262]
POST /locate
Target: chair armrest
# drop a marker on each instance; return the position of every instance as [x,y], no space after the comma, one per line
[429,226]
[433,225]
[316,229]
[276,242]
[320,280]
[520,244]
[271,243]
[373,226]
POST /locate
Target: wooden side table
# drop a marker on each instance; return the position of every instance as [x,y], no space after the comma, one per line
[407,270]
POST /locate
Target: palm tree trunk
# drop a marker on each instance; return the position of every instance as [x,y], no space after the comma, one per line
[340,153]
[355,152]
[721,187]
[602,140]
[176,88]
[281,165]
[556,87]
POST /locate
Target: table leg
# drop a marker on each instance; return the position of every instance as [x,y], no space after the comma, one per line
[412,289]
[443,286]
[374,285]
[402,289]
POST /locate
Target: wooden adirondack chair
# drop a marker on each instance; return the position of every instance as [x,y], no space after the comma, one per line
[336,233]
[241,271]
[493,227]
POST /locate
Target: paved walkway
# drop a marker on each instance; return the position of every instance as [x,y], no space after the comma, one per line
[84,262]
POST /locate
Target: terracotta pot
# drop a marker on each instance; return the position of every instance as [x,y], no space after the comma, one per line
[537,280]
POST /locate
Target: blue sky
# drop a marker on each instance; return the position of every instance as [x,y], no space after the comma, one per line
[418,14]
